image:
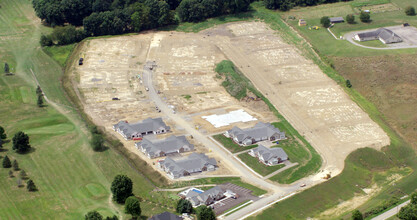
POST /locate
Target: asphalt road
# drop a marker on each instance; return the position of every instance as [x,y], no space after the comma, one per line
[391,212]
[227,159]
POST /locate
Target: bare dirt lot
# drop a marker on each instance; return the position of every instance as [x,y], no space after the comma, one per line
[315,105]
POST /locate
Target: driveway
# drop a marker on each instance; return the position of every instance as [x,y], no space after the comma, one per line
[408,34]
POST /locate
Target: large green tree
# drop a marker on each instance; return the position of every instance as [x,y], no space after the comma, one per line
[93,215]
[3,135]
[410,11]
[408,212]
[365,17]
[325,21]
[97,142]
[184,206]
[121,188]
[6,162]
[132,207]
[205,213]
[357,215]
[21,142]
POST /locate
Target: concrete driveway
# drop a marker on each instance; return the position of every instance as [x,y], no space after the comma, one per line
[408,34]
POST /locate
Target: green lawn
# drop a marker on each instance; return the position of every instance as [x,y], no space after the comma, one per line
[231,145]
[71,178]
[60,53]
[257,166]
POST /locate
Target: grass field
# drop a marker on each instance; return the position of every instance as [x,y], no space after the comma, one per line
[257,166]
[59,53]
[71,179]
[231,145]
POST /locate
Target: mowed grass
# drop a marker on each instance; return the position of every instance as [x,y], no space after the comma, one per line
[60,53]
[325,44]
[231,145]
[71,178]
[257,166]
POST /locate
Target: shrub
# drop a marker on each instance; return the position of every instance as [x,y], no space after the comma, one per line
[46,40]
[348,84]
[325,21]
[350,19]
[410,11]
[365,17]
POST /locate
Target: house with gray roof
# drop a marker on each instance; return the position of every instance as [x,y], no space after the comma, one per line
[194,163]
[166,216]
[140,129]
[386,36]
[207,197]
[160,148]
[260,132]
[336,20]
[269,156]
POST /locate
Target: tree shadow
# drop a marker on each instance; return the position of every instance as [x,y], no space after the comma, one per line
[31,150]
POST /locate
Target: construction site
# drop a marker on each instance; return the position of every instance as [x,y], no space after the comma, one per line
[112,88]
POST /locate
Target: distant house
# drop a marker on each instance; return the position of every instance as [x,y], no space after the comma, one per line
[302,22]
[386,36]
[199,197]
[334,20]
[140,129]
[165,216]
[260,132]
[195,163]
[269,156]
[160,148]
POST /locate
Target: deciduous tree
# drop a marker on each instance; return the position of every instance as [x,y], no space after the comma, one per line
[21,142]
[357,215]
[205,213]
[121,188]
[365,17]
[350,18]
[132,207]
[410,11]
[325,21]
[184,206]
[93,215]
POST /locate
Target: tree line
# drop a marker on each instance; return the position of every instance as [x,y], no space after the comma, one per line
[112,17]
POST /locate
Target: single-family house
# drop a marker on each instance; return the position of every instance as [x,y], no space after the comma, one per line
[260,132]
[160,148]
[199,197]
[140,129]
[334,20]
[166,216]
[194,163]
[386,36]
[269,156]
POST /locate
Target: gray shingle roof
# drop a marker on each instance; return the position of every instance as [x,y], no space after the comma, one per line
[270,153]
[147,125]
[192,164]
[385,34]
[259,130]
[168,145]
[165,216]
[201,198]
[336,19]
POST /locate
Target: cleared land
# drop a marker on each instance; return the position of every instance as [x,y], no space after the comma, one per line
[313,103]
